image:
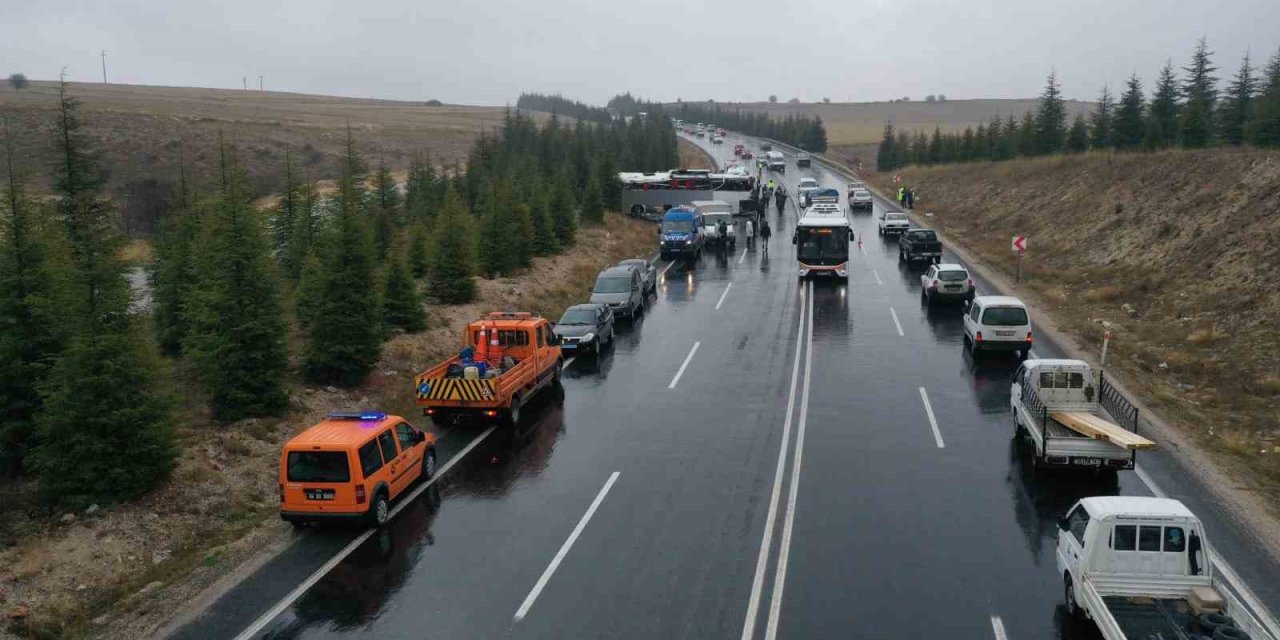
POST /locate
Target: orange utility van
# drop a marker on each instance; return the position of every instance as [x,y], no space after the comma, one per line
[505,359]
[351,466]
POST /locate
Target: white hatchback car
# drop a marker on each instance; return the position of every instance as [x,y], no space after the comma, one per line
[997,323]
[893,222]
[943,282]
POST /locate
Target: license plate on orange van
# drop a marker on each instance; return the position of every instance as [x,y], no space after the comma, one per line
[318,494]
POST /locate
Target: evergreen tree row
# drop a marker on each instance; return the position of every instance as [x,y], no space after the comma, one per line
[1189,112]
[562,106]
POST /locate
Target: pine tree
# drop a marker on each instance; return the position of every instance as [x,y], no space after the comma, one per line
[450,278]
[310,290]
[306,232]
[1196,124]
[421,189]
[237,333]
[1130,125]
[401,305]
[1102,119]
[495,260]
[1237,106]
[387,208]
[102,401]
[521,235]
[31,338]
[885,156]
[935,147]
[610,186]
[285,216]
[1078,136]
[419,253]
[564,212]
[1051,119]
[1027,144]
[344,328]
[1007,145]
[1162,120]
[172,273]
[545,242]
[1264,127]
[592,202]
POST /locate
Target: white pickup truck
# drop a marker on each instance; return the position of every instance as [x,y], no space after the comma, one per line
[1142,569]
[1059,404]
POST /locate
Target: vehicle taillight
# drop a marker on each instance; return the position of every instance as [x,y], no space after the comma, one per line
[934,285]
[968,282]
[978,337]
[1028,337]
[431,411]
[491,413]
[360,496]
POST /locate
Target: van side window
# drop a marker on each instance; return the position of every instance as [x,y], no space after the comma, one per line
[1125,537]
[974,312]
[370,459]
[1148,538]
[1174,540]
[1077,522]
[541,336]
[388,444]
[406,435]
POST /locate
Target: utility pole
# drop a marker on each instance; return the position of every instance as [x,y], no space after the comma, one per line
[104,66]
[259,83]
[244,80]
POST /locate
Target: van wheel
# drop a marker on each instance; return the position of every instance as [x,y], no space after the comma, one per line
[512,417]
[380,510]
[1073,608]
[429,464]
[974,348]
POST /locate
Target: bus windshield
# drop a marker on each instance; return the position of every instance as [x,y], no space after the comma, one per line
[822,245]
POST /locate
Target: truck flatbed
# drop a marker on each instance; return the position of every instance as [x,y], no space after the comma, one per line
[1144,618]
[1089,425]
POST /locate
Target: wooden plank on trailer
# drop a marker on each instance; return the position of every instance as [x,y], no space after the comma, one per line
[1098,428]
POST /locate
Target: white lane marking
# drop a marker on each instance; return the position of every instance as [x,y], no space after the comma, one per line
[933,422]
[743,256]
[687,359]
[568,363]
[784,547]
[877,275]
[564,549]
[766,543]
[997,627]
[666,268]
[896,323]
[1233,578]
[271,614]
[723,295]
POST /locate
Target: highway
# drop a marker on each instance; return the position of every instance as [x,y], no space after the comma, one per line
[756,457]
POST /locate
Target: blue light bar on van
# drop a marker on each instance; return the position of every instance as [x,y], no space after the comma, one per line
[358,415]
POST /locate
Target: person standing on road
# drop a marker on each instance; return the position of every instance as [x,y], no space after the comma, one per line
[751,233]
[765,232]
[911,198]
[781,196]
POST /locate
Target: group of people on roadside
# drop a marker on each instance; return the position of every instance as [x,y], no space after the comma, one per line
[907,197]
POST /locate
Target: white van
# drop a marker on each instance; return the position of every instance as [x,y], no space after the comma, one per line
[713,213]
[777,162]
[997,323]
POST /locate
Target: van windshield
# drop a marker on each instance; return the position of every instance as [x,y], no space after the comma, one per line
[613,285]
[677,226]
[578,316]
[318,466]
[1005,317]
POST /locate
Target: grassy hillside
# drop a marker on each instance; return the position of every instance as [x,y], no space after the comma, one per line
[863,122]
[143,132]
[1179,252]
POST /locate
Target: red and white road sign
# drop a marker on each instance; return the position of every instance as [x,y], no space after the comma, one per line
[1020,243]
[897,178]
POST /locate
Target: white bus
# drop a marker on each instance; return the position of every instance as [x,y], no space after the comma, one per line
[822,238]
[648,195]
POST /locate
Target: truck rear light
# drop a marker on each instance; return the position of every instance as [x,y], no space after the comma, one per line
[491,413]
[429,411]
[968,282]
[977,337]
[1029,340]
[360,494]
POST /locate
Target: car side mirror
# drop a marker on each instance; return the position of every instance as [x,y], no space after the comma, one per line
[422,437]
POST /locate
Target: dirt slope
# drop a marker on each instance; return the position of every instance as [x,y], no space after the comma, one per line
[143,131]
[1178,253]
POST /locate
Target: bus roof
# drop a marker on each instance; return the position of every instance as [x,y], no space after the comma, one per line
[823,216]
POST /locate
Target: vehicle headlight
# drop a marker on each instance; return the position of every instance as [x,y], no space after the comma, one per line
[588,337]
[688,241]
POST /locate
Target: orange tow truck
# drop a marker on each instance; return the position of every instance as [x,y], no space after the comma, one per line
[506,358]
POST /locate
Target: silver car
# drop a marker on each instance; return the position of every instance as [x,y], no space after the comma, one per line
[621,289]
[860,199]
[647,270]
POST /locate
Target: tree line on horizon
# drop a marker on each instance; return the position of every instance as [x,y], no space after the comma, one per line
[86,402]
[1189,112]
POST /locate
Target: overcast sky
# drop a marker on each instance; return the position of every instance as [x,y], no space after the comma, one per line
[488,51]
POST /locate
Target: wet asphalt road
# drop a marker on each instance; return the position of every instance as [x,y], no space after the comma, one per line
[887,534]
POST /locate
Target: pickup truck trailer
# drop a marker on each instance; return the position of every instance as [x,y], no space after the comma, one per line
[1142,569]
[515,356]
[1057,405]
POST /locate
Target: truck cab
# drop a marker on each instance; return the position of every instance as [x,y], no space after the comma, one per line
[1142,568]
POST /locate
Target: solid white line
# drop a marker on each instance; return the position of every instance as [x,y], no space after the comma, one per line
[877,275]
[564,549]
[784,547]
[723,295]
[666,268]
[1246,594]
[933,422]
[766,543]
[896,323]
[271,614]
[743,256]
[676,380]
[997,626]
